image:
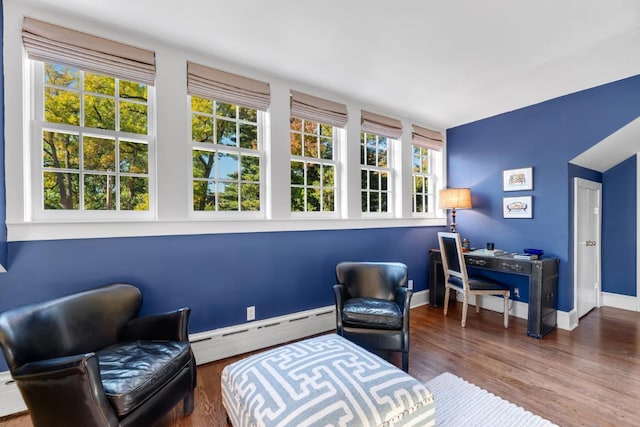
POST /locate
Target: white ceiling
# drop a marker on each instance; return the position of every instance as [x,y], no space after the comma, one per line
[441,62]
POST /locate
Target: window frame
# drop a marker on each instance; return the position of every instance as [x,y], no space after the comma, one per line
[389,169]
[337,137]
[34,187]
[433,158]
[260,152]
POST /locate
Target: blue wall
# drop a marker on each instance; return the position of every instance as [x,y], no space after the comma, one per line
[216,275]
[619,213]
[546,136]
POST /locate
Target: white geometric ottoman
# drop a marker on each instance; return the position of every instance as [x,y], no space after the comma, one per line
[323,381]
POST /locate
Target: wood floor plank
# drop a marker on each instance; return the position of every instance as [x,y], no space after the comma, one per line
[586,377]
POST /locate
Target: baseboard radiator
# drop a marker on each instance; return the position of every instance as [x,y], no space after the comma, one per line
[226,342]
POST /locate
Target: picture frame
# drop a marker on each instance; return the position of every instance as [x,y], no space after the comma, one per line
[517,207]
[517,179]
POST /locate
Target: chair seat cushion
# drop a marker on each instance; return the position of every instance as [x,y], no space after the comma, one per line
[372,313]
[131,372]
[479,284]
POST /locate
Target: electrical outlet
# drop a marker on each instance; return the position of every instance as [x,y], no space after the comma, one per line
[251,313]
[516,293]
[410,284]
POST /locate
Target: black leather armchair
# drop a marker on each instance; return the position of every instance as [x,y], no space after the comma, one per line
[373,304]
[87,359]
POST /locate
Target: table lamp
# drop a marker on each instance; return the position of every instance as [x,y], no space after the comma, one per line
[455,198]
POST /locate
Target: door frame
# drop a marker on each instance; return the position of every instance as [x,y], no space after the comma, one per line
[576,181]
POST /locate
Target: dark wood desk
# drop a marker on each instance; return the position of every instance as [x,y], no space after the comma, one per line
[543,285]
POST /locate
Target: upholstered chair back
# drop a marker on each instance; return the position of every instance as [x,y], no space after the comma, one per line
[75,324]
[372,279]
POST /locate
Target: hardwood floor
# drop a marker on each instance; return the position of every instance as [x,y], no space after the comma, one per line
[587,377]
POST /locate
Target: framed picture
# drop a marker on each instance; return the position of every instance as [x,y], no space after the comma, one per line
[517,179]
[517,207]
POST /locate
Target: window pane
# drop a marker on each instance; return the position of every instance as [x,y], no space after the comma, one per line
[248,114]
[133,117]
[228,166]
[374,180]
[203,163]
[313,200]
[60,190]
[62,76]
[328,200]
[250,168]
[296,124]
[419,205]
[328,176]
[313,174]
[311,146]
[326,148]
[133,157]
[61,106]
[383,180]
[99,84]
[201,105]
[419,184]
[99,154]
[248,136]
[228,197]
[297,173]
[131,90]
[326,130]
[100,112]
[202,128]
[371,155]
[383,202]
[382,152]
[310,127]
[297,199]
[364,179]
[250,197]
[226,132]
[296,144]
[203,197]
[100,192]
[59,150]
[134,193]
[364,203]
[374,202]
[225,110]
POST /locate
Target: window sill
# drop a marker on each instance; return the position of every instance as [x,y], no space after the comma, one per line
[27,231]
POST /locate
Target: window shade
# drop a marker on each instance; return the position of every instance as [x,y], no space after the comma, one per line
[222,86]
[51,43]
[427,138]
[381,125]
[317,109]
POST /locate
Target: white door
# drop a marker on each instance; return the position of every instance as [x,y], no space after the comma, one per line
[587,214]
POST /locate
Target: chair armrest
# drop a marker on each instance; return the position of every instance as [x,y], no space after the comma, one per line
[403,298]
[340,292]
[64,382]
[172,326]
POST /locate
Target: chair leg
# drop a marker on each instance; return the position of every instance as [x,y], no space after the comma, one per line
[506,311]
[477,304]
[187,404]
[446,299]
[405,361]
[465,306]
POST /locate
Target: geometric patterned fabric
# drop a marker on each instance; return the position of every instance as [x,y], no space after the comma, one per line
[323,381]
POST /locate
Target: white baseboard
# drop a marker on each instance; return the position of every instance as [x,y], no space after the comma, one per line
[624,302]
[10,398]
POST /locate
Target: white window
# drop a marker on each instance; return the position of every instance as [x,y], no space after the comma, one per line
[313,166]
[375,161]
[92,144]
[227,156]
[423,180]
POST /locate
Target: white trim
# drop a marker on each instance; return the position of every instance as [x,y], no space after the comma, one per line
[420,298]
[11,401]
[22,231]
[637,308]
[624,302]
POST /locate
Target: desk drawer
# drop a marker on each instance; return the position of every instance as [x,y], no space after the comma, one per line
[500,264]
